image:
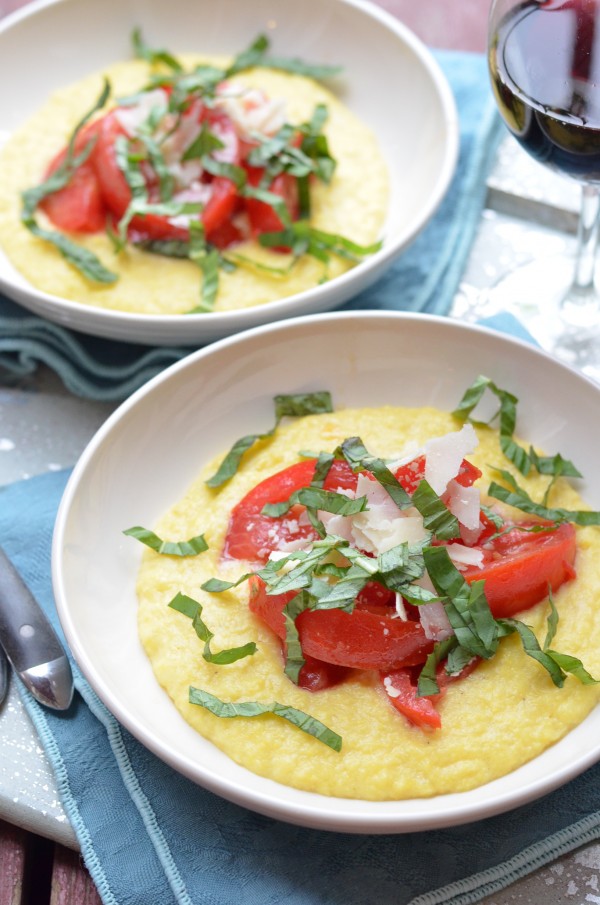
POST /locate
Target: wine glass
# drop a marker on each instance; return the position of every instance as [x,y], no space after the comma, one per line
[544,62]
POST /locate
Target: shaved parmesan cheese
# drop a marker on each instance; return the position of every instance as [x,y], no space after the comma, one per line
[411,451]
[465,504]
[337,524]
[463,556]
[251,110]
[392,692]
[433,615]
[401,607]
[435,622]
[229,152]
[133,117]
[379,535]
[378,499]
[444,455]
[289,546]
[383,526]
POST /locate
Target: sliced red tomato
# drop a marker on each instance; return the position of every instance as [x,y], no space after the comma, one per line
[375,595]
[79,206]
[113,184]
[412,473]
[520,566]
[315,675]
[116,191]
[367,638]
[220,207]
[269,607]
[362,639]
[401,687]
[262,216]
[117,194]
[252,536]
[227,234]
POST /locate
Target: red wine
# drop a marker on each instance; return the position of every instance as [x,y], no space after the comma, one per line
[545,67]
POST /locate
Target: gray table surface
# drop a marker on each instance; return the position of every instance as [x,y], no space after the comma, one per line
[43,428]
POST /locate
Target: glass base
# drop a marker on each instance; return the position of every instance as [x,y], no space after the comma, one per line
[540,296]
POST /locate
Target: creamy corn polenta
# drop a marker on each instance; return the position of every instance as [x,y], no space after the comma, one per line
[497,718]
[353,204]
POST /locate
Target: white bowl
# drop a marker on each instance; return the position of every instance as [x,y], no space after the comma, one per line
[150,450]
[390,80]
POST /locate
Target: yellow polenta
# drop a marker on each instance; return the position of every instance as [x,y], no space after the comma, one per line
[502,715]
[353,205]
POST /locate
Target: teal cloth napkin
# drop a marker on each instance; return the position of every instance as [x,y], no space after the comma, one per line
[148,835]
[424,278]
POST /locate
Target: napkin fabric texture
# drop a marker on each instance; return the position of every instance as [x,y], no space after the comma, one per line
[148,834]
[424,278]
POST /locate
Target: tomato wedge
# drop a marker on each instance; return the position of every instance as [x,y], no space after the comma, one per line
[252,536]
[520,566]
[362,639]
[401,687]
[116,192]
[264,218]
[315,674]
[79,206]
[368,638]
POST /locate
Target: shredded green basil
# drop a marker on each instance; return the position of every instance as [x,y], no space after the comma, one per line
[207,260]
[514,495]
[316,498]
[152,56]
[507,414]
[190,547]
[204,144]
[249,709]
[357,456]
[294,658]
[437,518]
[86,262]
[465,604]
[304,239]
[294,405]
[193,609]
[256,55]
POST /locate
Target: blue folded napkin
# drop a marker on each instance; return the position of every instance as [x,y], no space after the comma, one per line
[424,278]
[148,835]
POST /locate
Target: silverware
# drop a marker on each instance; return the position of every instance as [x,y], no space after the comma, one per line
[31,645]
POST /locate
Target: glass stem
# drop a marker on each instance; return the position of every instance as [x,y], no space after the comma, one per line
[581,306]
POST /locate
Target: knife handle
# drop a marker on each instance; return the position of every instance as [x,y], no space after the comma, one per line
[31,644]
